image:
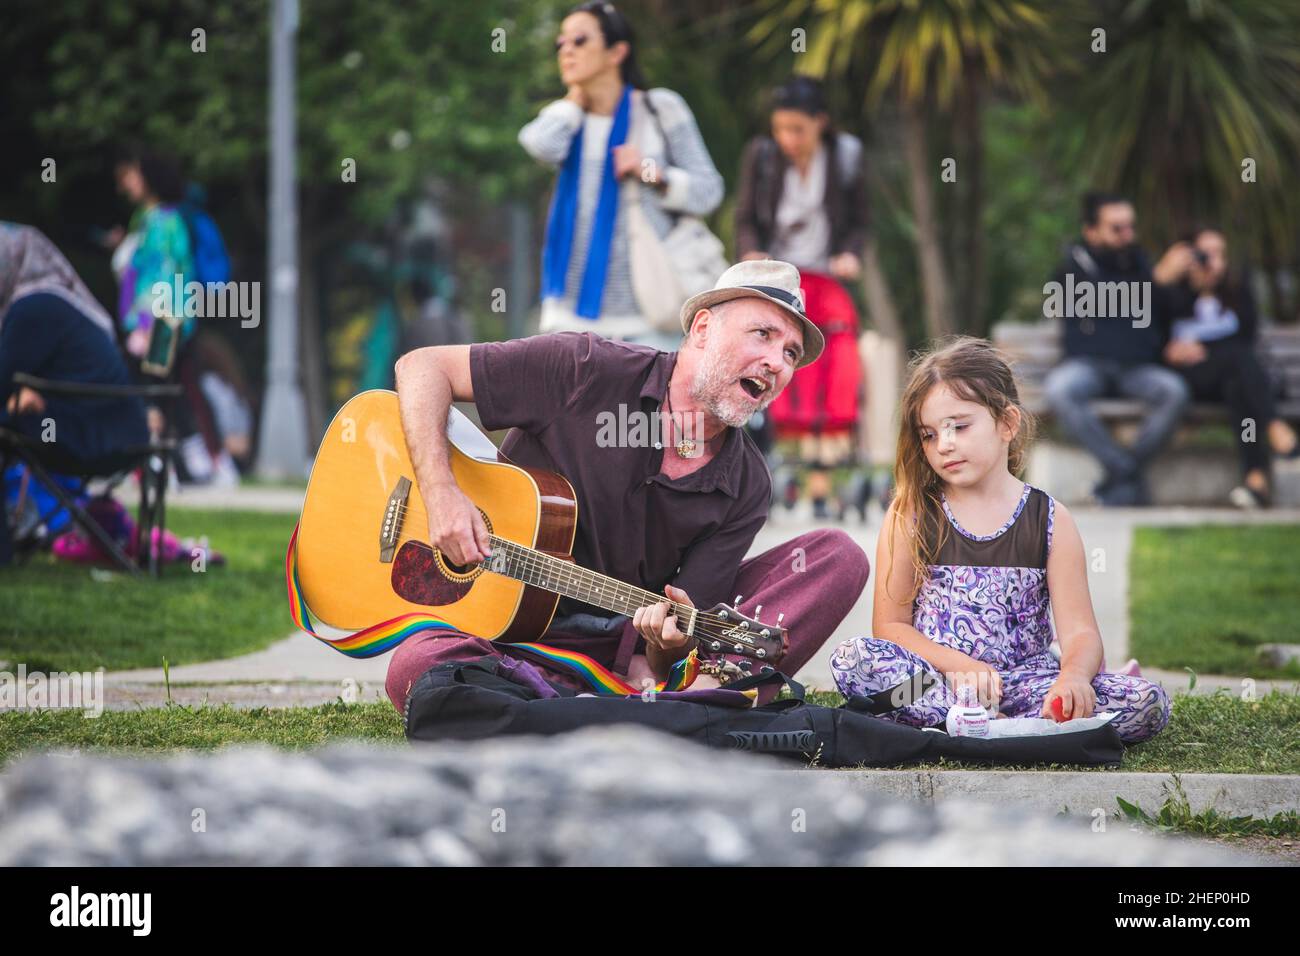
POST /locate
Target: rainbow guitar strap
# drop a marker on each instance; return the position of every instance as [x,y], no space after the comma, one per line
[384,636]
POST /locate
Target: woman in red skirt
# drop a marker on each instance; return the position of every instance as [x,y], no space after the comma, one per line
[802,199]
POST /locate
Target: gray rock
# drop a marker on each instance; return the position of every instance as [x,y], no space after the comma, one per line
[1279,655]
[605,796]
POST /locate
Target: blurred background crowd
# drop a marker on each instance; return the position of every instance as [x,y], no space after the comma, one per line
[459,163]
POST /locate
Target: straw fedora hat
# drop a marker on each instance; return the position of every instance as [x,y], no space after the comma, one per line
[768,279]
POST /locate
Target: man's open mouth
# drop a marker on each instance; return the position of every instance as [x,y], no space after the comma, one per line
[756,387]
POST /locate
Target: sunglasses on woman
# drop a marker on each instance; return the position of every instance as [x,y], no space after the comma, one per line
[579,41]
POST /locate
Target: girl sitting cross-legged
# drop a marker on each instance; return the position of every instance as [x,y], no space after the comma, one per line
[974,559]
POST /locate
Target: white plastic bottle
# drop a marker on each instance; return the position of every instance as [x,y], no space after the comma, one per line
[967,718]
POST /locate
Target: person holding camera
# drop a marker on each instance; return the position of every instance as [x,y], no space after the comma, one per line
[1212,345]
[1109,354]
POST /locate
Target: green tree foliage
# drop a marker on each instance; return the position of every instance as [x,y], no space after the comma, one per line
[1186,91]
[409,91]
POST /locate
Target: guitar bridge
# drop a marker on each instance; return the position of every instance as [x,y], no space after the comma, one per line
[394,515]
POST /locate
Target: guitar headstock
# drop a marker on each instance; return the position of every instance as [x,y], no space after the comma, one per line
[724,630]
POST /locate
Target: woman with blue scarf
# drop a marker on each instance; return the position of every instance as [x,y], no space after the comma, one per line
[607,129]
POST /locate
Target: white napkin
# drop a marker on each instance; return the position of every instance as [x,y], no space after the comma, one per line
[1040,726]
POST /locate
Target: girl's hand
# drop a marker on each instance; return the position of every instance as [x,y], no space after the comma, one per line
[983,677]
[1078,699]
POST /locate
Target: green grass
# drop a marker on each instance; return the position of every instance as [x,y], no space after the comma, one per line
[1205,597]
[1216,733]
[288,484]
[1207,734]
[167,729]
[1176,815]
[62,617]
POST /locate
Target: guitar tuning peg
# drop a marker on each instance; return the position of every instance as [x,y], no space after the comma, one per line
[736,603]
[757,611]
[779,617]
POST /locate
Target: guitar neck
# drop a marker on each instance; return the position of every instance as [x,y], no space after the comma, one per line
[552,574]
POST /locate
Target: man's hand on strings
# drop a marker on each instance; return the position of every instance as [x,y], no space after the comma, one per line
[658,623]
[456,526]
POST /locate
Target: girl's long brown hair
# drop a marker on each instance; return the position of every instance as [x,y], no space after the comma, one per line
[977,372]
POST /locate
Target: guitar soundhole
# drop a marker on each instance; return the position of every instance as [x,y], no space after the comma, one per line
[423,575]
[419,576]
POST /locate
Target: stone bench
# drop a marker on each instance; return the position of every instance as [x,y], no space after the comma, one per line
[1185,473]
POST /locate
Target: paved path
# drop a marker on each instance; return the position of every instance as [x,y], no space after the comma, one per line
[298,669]
[273,498]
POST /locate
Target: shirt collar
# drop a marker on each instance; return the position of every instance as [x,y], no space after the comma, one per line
[723,471]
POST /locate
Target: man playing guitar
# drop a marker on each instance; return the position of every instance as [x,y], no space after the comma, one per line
[673,508]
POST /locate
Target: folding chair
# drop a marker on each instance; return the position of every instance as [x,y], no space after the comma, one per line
[152,459]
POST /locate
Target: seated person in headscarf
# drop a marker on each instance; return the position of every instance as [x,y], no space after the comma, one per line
[52,327]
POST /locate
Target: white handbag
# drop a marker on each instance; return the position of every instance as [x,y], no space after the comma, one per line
[666,272]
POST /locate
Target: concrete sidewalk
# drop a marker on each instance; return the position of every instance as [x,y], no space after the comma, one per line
[298,671]
[1081,793]
[307,672]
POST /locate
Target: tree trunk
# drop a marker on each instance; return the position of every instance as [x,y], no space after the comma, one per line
[974,295]
[935,296]
[881,310]
[311,346]
[883,350]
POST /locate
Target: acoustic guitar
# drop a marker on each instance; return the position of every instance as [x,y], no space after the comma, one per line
[364,555]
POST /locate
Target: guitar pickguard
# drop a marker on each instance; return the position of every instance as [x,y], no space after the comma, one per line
[419,576]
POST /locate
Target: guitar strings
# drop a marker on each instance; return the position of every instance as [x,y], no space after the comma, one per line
[707,624]
[544,563]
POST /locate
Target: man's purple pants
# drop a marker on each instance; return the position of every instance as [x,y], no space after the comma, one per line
[814,580]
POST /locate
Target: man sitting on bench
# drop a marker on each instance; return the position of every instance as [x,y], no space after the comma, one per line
[1114,352]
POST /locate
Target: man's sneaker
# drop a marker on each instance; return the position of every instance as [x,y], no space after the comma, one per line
[1121,493]
[226,472]
[194,459]
[1247,498]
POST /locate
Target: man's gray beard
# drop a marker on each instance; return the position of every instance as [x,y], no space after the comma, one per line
[710,388]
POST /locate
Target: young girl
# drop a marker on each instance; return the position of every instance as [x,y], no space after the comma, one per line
[972,559]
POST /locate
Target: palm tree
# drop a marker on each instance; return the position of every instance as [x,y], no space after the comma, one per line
[1187,91]
[934,59]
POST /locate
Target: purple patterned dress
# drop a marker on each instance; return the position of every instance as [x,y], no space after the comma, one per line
[986,596]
